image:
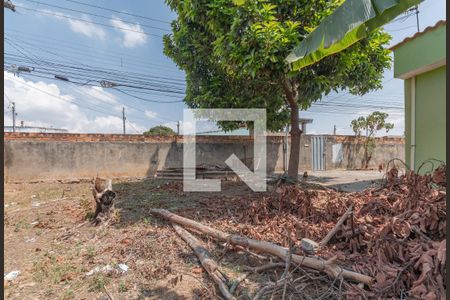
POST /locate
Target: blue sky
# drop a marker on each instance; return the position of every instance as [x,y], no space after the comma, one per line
[82,43]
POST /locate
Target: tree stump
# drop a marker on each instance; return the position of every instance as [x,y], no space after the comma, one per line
[104,199]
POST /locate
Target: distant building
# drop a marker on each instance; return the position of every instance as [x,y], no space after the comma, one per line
[420,61]
[23,128]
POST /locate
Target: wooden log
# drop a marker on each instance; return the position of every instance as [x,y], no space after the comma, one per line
[336,227]
[205,259]
[329,267]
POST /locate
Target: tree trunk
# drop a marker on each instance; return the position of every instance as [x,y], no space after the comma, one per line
[294,155]
[329,266]
[104,197]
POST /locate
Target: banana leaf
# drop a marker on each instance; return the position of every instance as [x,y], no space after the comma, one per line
[349,23]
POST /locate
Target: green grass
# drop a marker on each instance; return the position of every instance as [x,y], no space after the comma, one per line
[68,294]
[90,252]
[97,283]
[122,287]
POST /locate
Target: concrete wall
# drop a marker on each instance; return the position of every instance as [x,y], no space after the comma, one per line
[347,152]
[37,156]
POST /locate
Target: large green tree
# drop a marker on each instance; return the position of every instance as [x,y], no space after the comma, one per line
[233,53]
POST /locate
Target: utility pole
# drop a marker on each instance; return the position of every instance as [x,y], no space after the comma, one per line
[14,116]
[178,127]
[123,119]
[416,10]
[417,17]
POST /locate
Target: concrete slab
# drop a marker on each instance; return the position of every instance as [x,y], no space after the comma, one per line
[346,180]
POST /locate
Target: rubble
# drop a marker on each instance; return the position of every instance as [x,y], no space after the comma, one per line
[11,275]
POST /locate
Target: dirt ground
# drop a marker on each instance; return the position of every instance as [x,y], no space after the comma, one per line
[48,239]
[60,254]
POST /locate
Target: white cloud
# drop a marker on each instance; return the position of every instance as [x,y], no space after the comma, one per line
[78,26]
[150,114]
[36,107]
[133,35]
[108,124]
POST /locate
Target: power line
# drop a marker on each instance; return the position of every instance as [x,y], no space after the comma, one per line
[103,70]
[144,99]
[62,99]
[119,12]
[83,49]
[87,21]
[118,78]
[400,29]
[96,15]
[68,47]
[132,126]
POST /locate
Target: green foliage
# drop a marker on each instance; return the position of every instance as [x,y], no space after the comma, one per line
[160,130]
[233,53]
[371,124]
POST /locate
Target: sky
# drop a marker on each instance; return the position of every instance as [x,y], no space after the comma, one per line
[84,43]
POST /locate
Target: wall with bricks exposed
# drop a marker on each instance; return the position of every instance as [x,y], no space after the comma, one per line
[42,156]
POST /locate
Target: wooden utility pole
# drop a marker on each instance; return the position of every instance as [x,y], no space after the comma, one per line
[14,115]
[123,119]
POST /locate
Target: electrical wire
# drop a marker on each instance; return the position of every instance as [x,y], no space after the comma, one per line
[132,126]
[400,29]
[119,12]
[85,67]
[65,100]
[147,100]
[69,46]
[118,78]
[87,21]
[96,15]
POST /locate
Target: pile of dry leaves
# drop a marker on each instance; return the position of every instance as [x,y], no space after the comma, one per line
[396,233]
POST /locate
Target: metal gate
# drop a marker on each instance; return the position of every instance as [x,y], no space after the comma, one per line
[318,153]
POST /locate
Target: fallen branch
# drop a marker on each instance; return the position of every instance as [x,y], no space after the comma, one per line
[203,255]
[329,267]
[336,227]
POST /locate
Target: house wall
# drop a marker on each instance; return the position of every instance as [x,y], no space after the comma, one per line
[421,61]
[430,116]
[47,156]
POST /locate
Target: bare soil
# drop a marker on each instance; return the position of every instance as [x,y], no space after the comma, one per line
[49,239]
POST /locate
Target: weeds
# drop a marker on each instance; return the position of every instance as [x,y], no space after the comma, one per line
[90,252]
[123,287]
[98,283]
[69,294]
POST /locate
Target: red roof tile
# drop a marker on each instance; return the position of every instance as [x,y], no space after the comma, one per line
[429,28]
